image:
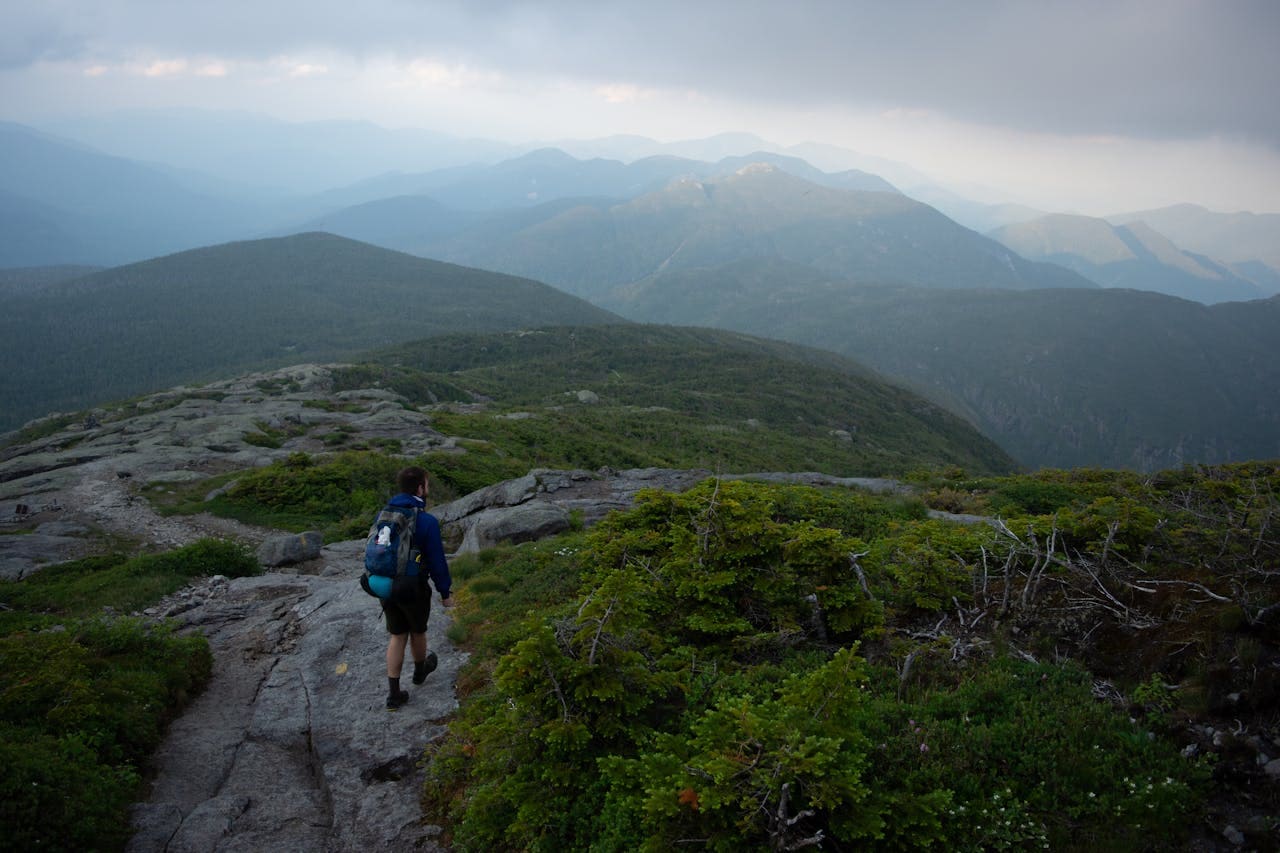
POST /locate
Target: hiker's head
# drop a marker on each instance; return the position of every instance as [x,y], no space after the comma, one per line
[410,479]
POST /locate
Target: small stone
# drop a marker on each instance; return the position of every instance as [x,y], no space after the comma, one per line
[1190,750]
[1233,835]
[1272,768]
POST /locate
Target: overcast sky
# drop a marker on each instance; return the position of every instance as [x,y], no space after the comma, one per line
[1093,105]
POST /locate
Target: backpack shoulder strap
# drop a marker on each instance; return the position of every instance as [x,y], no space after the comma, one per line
[407,534]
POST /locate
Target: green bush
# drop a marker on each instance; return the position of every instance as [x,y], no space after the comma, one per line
[338,495]
[706,682]
[80,710]
[55,794]
[924,565]
[81,588]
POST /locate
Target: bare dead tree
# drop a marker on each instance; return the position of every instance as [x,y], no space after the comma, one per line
[781,822]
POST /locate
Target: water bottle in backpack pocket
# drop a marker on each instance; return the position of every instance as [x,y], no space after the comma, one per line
[388,552]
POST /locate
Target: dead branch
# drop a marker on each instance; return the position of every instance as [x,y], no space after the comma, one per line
[782,822]
[595,641]
[862,578]
[1026,656]
[1192,584]
[984,574]
[564,706]
[906,670]
[1103,689]
[933,634]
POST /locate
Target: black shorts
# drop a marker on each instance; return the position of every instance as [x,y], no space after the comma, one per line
[408,614]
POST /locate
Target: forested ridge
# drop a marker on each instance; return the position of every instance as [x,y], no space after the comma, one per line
[207,313]
[1058,377]
[728,390]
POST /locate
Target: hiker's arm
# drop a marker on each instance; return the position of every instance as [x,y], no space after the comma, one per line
[432,548]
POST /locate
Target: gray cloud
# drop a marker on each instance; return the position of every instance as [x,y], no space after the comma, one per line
[1147,68]
[37,35]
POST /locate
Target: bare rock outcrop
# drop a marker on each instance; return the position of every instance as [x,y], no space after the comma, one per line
[545,502]
[86,473]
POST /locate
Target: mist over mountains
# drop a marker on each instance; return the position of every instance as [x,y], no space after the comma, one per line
[1133,256]
[1069,340]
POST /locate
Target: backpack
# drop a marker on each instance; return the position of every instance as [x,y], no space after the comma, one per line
[388,552]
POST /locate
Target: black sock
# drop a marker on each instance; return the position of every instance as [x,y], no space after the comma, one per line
[395,685]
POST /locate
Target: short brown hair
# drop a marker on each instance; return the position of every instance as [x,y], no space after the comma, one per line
[408,480]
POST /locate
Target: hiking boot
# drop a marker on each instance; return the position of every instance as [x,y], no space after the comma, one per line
[397,699]
[423,668]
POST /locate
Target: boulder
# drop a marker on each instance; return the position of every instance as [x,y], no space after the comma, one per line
[524,523]
[288,549]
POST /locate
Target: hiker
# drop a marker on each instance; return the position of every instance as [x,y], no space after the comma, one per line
[407,617]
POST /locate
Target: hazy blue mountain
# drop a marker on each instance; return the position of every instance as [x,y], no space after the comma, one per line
[760,212]
[287,158]
[550,174]
[82,206]
[1231,237]
[847,179]
[34,234]
[400,222]
[981,217]
[1058,377]
[1267,278]
[225,309]
[1131,255]
[715,148]
[833,158]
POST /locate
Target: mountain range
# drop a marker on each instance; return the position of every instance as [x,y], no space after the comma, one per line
[1238,238]
[1135,256]
[1059,377]
[587,246]
[141,185]
[1039,337]
[200,314]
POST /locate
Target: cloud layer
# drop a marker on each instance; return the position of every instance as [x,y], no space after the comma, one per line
[1150,68]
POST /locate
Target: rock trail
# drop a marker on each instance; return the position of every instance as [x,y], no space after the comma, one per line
[290,746]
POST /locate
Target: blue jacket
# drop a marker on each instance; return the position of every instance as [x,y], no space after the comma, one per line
[428,542]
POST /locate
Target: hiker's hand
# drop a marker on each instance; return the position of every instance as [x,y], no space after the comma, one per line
[447,601]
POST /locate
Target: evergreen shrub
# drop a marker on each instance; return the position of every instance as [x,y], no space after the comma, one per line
[709,684]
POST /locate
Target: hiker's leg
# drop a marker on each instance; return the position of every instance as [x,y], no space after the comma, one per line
[395,654]
[418,645]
